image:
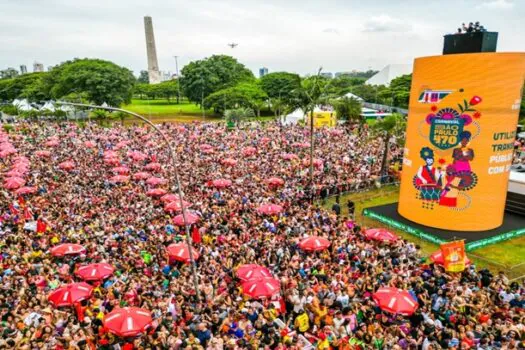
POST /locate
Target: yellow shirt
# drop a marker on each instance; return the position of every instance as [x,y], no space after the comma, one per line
[302,322]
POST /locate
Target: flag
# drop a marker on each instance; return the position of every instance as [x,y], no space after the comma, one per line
[195,235]
[28,213]
[40,226]
[454,256]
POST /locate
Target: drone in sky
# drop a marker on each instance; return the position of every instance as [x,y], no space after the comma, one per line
[233,45]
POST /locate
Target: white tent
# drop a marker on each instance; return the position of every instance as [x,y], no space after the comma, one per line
[48,106]
[22,105]
[355,97]
[294,117]
[389,73]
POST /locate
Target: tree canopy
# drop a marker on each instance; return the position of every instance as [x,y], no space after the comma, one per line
[101,81]
[30,86]
[202,78]
[143,77]
[246,95]
[347,108]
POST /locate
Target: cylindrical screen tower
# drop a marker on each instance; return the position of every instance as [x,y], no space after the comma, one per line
[460,139]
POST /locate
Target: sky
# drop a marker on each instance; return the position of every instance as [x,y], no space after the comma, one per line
[283,35]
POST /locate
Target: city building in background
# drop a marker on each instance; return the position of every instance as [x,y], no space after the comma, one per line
[263,71]
[153,64]
[38,67]
[23,69]
[8,73]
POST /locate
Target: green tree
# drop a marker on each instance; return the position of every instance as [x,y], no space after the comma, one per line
[167,89]
[392,125]
[102,81]
[24,86]
[347,108]
[99,114]
[140,89]
[202,78]
[143,77]
[246,95]
[238,114]
[343,84]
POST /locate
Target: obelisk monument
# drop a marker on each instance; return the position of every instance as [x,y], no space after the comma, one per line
[153,64]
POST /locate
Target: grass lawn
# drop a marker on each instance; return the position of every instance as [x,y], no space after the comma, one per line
[160,110]
[506,256]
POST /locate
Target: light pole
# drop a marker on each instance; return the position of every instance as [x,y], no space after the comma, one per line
[178,80]
[173,155]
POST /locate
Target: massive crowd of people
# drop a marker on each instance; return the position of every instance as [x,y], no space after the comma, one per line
[325,299]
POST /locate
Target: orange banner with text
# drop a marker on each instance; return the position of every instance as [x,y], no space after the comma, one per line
[460,139]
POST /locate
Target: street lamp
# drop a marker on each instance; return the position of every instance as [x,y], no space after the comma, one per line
[173,156]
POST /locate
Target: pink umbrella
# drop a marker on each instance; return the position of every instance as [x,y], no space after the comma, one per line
[110,154]
[318,163]
[265,140]
[43,154]
[121,170]
[380,234]
[181,252]
[249,151]
[67,165]
[155,181]
[137,156]
[290,156]
[221,183]
[26,190]
[118,179]
[112,161]
[175,206]
[270,209]
[90,144]
[15,173]
[156,192]
[52,143]
[168,198]
[190,217]
[275,181]
[141,175]
[153,167]
[205,147]
[229,162]
[12,183]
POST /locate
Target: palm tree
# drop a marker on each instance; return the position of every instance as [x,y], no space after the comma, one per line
[392,125]
[348,108]
[99,114]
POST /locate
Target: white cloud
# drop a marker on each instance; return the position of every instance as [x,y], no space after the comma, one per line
[386,23]
[497,4]
[331,31]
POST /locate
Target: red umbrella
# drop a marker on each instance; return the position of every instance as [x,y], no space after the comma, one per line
[314,243]
[181,252]
[396,301]
[229,162]
[205,147]
[90,144]
[70,294]
[153,167]
[142,175]
[270,209]
[12,183]
[118,179]
[221,183]
[170,197]
[121,170]
[128,321]
[190,218]
[156,192]
[67,249]
[275,181]
[380,234]
[290,156]
[252,272]
[261,288]
[265,140]
[67,165]
[437,258]
[175,206]
[249,151]
[95,272]
[154,181]
[26,190]
[43,154]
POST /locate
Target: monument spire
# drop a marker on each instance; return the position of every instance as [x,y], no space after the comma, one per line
[153,64]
